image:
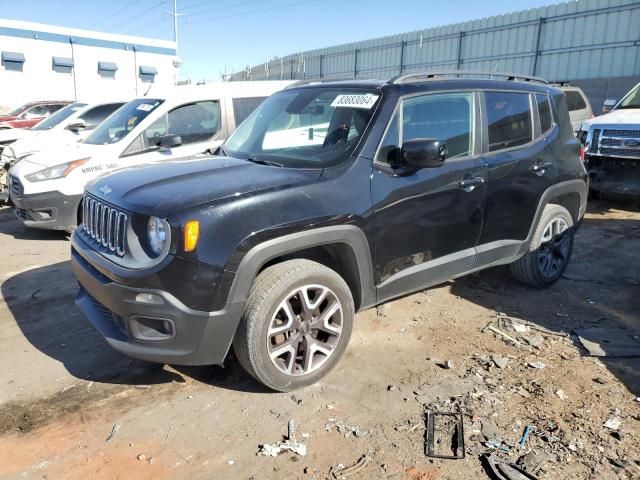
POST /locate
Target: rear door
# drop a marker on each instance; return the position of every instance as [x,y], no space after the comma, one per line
[428,222]
[520,167]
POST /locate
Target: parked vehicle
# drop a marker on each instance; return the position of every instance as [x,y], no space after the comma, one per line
[330,198]
[611,148]
[30,114]
[578,105]
[47,186]
[71,123]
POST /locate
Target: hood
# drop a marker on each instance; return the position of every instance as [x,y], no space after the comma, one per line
[11,134]
[169,187]
[616,117]
[48,154]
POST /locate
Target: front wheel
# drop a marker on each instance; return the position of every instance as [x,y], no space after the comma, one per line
[296,326]
[551,248]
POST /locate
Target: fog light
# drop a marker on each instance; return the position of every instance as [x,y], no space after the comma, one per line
[149,298]
[151,329]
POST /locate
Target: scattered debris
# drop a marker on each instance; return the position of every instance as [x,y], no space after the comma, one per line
[609,342]
[142,457]
[230,462]
[392,388]
[490,430]
[346,429]
[613,423]
[505,471]
[114,432]
[340,471]
[289,445]
[538,365]
[534,462]
[508,337]
[445,435]
[600,380]
[561,395]
[446,386]
[525,436]
[309,471]
[500,362]
[535,341]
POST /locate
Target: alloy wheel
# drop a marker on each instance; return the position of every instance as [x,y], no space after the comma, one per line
[554,249]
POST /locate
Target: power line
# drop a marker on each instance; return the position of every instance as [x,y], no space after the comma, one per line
[253,11]
[217,9]
[117,12]
[131,19]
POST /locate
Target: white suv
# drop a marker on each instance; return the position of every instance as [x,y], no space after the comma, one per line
[47,187]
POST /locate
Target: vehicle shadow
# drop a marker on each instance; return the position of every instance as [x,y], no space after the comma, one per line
[41,301]
[599,289]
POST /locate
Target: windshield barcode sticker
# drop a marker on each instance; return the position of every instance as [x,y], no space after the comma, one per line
[355,101]
[145,107]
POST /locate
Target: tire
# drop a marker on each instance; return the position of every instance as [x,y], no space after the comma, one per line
[257,343]
[550,249]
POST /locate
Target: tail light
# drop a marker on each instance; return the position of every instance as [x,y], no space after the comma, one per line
[581,153]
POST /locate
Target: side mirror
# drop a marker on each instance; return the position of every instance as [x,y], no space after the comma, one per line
[423,153]
[609,103]
[77,125]
[167,142]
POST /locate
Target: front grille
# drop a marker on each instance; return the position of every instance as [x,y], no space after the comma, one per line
[108,316]
[627,152]
[104,224]
[593,147]
[16,185]
[622,133]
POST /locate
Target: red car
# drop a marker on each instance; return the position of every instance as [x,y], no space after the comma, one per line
[30,114]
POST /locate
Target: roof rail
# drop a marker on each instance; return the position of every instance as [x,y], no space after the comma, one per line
[424,76]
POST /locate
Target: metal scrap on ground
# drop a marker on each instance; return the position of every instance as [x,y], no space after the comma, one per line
[609,342]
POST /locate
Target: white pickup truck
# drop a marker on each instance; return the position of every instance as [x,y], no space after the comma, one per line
[611,147]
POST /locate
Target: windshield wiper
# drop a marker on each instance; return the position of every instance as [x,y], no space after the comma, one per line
[260,161]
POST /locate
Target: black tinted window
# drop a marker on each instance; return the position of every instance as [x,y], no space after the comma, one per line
[194,123]
[242,107]
[97,115]
[509,118]
[444,117]
[544,112]
[575,100]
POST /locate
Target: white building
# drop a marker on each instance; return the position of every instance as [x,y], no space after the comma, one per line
[44,62]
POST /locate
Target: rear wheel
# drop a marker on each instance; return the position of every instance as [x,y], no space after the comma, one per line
[296,325]
[552,245]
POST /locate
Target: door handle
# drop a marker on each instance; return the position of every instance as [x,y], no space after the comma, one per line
[540,168]
[469,184]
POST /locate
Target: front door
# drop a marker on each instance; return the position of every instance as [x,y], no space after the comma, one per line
[427,222]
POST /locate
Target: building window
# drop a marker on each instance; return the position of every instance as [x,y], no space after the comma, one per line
[13,61]
[148,74]
[107,69]
[62,64]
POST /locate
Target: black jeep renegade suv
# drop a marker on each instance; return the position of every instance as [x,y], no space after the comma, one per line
[330,198]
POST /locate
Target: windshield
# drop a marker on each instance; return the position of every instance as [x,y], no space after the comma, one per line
[311,127]
[58,117]
[16,111]
[122,121]
[632,99]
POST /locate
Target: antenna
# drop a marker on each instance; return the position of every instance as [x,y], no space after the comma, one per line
[175,16]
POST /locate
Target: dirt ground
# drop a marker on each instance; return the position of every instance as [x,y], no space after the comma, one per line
[71,408]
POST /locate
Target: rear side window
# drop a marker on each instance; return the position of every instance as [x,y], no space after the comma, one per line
[242,107]
[544,112]
[509,119]
[444,117]
[575,100]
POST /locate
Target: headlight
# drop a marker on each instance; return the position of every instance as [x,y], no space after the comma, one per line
[157,234]
[57,171]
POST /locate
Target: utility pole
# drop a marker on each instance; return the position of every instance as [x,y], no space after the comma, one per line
[175,16]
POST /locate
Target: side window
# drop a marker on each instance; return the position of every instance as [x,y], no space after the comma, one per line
[194,123]
[390,142]
[575,100]
[445,117]
[544,112]
[242,107]
[37,111]
[93,117]
[509,119]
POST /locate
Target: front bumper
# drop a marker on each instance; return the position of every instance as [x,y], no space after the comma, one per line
[49,210]
[192,337]
[615,176]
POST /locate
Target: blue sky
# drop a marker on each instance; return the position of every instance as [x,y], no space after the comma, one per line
[234,33]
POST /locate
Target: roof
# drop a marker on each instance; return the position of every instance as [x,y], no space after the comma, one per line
[217,89]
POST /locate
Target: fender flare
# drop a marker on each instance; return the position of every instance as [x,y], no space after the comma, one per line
[259,255]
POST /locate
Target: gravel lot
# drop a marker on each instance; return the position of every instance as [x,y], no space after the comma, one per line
[73,408]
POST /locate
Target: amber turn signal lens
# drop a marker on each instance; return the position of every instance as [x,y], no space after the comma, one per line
[191,235]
